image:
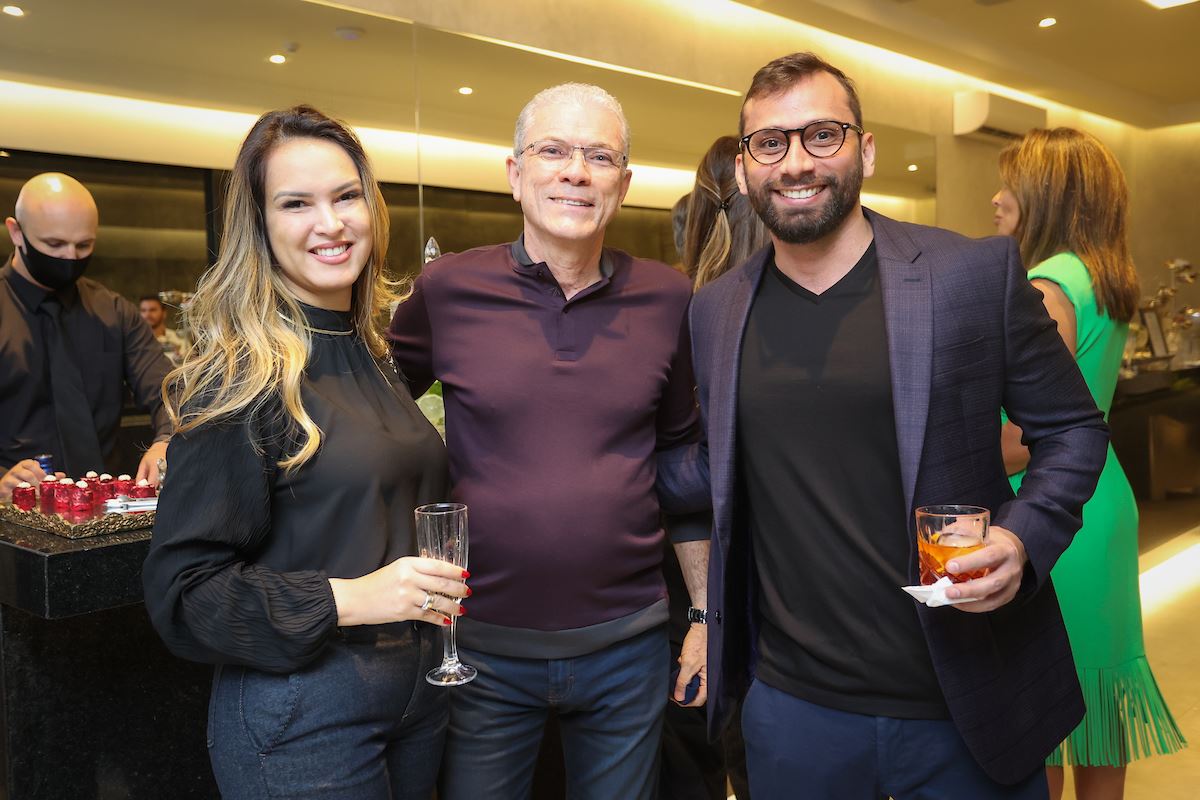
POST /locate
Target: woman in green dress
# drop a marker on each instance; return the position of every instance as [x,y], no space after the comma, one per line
[1065,200]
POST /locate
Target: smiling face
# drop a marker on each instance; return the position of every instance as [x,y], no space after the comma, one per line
[569,204]
[1008,212]
[318,222]
[801,198]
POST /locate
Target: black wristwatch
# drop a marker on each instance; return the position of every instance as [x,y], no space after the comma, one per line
[698,616]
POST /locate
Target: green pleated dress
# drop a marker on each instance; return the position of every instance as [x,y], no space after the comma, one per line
[1097,577]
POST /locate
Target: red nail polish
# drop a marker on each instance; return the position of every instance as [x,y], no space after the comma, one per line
[469,592]
[466,574]
[462,612]
[446,621]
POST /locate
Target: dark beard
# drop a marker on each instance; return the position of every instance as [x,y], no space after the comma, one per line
[805,228]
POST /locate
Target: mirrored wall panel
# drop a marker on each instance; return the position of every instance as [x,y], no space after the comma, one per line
[149,101]
[470,91]
[146,102]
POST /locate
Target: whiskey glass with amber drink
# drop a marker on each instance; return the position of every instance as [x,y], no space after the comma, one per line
[946,532]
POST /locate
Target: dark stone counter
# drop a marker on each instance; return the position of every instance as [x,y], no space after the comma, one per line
[53,577]
[1156,432]
[92,705]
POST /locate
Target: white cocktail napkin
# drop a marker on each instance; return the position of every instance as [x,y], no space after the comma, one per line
[935,595]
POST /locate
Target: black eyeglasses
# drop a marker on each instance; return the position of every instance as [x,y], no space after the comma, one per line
[821,138]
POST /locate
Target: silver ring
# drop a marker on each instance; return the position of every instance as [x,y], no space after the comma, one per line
[428,602]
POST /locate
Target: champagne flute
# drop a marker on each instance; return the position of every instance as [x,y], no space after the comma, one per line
[442,535]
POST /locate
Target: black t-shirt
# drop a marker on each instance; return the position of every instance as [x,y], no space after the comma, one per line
[821,471]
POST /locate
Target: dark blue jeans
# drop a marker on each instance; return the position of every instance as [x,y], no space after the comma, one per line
[610,710]
[359,723]
[796,749]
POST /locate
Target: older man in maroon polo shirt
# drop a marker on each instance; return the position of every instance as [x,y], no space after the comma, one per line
[569,397]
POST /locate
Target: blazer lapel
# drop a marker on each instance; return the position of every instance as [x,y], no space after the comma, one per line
[908,311]
[723,410]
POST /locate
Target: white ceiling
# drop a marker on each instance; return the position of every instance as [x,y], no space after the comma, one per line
[1122,59]
[213,54]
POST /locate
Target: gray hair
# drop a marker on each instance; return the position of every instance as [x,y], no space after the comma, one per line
[574,94]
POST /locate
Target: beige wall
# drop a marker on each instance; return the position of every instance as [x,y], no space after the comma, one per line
[1166,204]
[967,178]
[723,44]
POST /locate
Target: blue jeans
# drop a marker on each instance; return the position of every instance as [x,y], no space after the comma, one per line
[359,723]
[795,749]
[610,709]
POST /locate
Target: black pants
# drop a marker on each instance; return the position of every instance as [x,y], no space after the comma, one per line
[694,768]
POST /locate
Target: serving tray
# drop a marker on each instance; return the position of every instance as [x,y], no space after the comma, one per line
[97,526]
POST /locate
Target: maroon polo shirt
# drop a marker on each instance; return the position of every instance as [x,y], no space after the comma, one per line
[555,409]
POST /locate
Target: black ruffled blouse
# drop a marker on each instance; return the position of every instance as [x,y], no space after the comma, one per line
[241,554]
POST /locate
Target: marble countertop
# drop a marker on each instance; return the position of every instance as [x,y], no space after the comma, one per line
[53,577]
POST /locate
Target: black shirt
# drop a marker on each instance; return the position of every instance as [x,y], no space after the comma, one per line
[821,471]
[242,552]
[110,343]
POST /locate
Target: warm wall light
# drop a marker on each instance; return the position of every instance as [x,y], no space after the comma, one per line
[14,11]
[1048,22]
[3,154]
[591,62]
[913,167]
[143,130]
[1169,572]
[464,90]
[278,59]
[742,17]
[1161,4]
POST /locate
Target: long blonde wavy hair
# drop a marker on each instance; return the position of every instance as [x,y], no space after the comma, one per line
[251,344]
[1072,197]
[722,229]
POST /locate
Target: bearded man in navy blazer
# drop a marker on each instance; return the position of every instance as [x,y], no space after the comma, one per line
[849,373]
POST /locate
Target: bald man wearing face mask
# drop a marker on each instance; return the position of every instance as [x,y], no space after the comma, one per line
[67,344]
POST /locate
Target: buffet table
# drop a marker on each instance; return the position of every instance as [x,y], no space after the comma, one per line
[92,705]
[1155,422]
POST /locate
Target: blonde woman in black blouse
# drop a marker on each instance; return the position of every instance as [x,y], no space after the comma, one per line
[283,548]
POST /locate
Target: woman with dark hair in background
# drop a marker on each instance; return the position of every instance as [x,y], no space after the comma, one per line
[720,231]
[1065,200]
[283,547]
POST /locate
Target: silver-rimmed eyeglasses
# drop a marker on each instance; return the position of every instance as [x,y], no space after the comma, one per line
[559,153]
[820,138]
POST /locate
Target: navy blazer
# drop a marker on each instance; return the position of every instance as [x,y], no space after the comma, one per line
[967,334]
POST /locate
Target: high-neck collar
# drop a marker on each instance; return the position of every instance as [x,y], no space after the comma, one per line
[324,319]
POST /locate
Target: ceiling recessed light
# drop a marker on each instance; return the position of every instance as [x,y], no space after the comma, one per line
[1161,4]
[278,58]
[1048,22]
[465,90]
[912,167]
[14,11]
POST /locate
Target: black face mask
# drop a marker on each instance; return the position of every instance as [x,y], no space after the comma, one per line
[52,271]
